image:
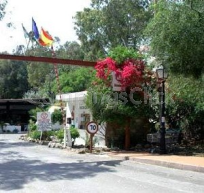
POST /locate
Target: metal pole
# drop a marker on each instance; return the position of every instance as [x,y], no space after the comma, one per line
[162,119]
[91,142]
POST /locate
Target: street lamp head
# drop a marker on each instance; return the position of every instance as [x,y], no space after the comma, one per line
[161,73]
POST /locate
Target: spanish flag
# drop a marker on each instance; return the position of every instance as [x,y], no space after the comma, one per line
[45,38]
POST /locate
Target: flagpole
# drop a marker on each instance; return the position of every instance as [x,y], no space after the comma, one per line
[26,35]
[59,91]
[27,44]
[45,39]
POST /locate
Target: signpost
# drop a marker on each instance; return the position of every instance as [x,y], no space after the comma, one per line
[91,128]
[44,121]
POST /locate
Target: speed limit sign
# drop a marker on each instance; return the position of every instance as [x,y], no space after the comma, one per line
[92,127]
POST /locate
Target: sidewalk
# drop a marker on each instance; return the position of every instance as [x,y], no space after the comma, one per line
[191,163]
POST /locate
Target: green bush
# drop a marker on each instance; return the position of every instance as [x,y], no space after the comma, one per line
[60,134]
[32,126]
[45,135]
[74,133]
[35,134]
[57,117]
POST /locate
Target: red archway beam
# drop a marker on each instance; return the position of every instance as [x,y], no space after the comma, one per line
[48,60]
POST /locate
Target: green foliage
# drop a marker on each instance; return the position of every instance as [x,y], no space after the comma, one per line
[45,135]
[110,106]
[35,134]
[33,112]
[108,24]
[176,36]
[42,76]
[71,50]
[57,116]
[78,79]
[32,126]
[185,104]
[13,82]
[121,53]
[60,134]
[74,133]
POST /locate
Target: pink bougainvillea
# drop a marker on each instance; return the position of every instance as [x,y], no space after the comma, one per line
[104,67]
[130,72]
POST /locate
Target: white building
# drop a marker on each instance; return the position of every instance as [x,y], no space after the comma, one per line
[81,115]
[76,108]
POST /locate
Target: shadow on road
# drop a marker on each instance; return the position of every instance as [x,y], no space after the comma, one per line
[17,170]
[5,144]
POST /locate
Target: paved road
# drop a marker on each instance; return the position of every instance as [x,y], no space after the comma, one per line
[32,168]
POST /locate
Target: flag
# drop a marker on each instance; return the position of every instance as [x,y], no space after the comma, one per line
[40,41]
[35,30]
[45,38]
[26,34]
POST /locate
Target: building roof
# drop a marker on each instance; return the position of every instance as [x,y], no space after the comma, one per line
[72,96]
[31,101]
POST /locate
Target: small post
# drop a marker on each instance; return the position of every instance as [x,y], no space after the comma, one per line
[41,135]
[91,142]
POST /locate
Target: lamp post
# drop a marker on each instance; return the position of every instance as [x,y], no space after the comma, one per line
[161,77]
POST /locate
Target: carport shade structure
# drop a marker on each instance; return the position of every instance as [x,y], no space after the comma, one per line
[15,111]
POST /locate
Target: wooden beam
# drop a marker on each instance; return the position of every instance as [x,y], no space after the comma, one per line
[48,60]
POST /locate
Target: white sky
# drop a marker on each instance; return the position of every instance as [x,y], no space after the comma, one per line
[54,16]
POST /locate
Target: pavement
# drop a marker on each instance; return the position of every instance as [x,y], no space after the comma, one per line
[192,163]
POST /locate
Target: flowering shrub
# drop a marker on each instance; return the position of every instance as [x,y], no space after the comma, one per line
[129,71]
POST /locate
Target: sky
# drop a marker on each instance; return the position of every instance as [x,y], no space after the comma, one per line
[54,16]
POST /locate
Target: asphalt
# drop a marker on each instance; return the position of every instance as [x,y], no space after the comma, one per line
[192,163]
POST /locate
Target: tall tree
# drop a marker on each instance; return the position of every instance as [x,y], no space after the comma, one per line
[42,77]
[38,71]
[176,35]
[78,79]
[13,81]
[109,23]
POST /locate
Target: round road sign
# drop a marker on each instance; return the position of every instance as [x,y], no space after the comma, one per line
[92,127]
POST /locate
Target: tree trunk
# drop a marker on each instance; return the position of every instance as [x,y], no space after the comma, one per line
[127,134]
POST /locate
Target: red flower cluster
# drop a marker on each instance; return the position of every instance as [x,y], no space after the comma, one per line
[129,72]
[105,67]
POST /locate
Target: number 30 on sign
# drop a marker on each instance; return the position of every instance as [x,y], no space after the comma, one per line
[92,127]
